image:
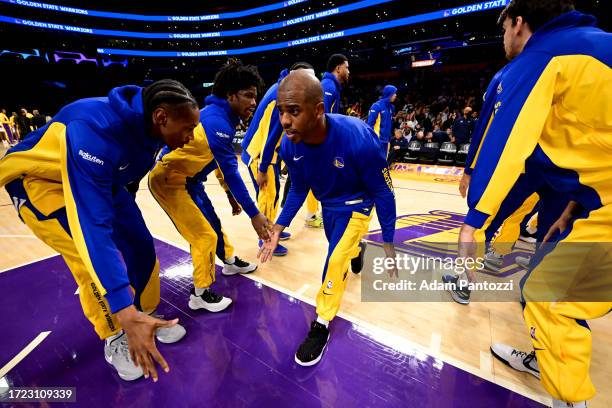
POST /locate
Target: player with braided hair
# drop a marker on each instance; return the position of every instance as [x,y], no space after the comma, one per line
[67,181]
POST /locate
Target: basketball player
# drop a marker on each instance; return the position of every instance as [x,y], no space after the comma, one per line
[381,117]
[67,181]
[260,153]
[502,229]
[177,180]
[337,75]
[553,120]
[337,157]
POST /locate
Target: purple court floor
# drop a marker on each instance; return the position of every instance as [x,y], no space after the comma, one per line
[238,358]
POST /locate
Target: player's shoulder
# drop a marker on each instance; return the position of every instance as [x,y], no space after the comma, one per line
[344,121]
[213,118]
[350,130]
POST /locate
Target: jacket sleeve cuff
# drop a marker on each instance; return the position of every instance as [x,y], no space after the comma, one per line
[120,299]
[263,167]
[467,170]
[475,218]
[251,210]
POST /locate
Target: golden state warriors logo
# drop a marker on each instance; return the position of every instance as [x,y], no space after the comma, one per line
[339,162]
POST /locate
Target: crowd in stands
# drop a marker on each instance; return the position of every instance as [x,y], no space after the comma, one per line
[432,113]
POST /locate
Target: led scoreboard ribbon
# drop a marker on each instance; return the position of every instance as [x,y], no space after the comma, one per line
[420,18]
[190,36]
[141,17]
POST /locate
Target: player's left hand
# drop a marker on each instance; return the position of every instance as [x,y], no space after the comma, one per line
[236,209]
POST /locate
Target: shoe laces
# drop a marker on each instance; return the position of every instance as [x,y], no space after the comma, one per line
[211,297]
[120,346]
[240,263]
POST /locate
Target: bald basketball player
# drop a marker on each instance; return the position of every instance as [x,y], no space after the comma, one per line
[339,158]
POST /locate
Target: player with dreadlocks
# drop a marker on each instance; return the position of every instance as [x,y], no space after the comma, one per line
[67,181]
[177,180]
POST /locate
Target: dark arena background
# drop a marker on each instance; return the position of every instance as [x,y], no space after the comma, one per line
[386,349]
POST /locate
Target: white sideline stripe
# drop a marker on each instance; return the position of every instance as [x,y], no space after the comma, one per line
[28,263]
[302,290]
[434,344]
[486,365]
[393,340]
[23,353]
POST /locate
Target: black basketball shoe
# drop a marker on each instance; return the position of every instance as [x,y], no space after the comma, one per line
[311,350]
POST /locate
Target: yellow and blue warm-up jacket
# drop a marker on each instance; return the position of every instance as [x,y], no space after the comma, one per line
[210,149]
[347,172]
[484,121]
[89,151]
[553,117]
[381,114]
[262,138]
[331,92]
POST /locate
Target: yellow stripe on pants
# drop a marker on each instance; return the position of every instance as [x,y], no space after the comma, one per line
[312,204]
[577,269]
[510,229]
[169,189]
[329,298]
[267,199]
[95,307]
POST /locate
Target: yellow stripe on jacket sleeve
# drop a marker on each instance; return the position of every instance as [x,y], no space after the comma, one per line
[482,141]
[73,216]
[377,125]
[522,140]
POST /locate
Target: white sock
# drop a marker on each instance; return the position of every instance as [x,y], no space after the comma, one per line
[323,321]
[200,291]
[230,261]
[108,340]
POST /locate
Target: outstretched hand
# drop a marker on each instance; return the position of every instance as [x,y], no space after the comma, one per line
[140,330]
[267,249]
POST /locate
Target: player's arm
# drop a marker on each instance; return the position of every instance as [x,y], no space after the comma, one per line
[87,167]
[295,199]
[373,117]
[227,162]
[228,165]
[329,95]
[524,105]
[484,121]
[374,172]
